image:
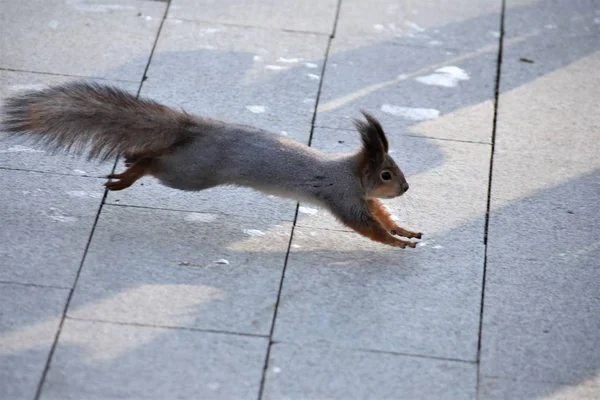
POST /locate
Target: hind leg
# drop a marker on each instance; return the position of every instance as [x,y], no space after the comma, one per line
[131,159]
[136,170]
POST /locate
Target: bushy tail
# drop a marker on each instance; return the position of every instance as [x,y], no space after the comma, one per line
[102,120]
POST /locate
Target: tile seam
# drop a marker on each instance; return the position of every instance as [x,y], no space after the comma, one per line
[489,191]
[312,129]
[72,290]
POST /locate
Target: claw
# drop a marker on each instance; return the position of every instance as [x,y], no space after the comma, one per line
[405,233]
[116,185]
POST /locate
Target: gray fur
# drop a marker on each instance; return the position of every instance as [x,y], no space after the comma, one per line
[101,120]
[191,153]
[246,156]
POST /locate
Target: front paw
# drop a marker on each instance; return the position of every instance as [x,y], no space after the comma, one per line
[404,233]
[403,244]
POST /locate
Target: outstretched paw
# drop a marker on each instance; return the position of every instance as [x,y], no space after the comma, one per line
[397,231]
[116,185]
[403,243]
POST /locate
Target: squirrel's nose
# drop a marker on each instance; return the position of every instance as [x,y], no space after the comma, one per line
[405,187]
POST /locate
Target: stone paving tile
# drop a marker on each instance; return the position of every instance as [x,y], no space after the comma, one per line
[556,33]
[427,91]
[408,90]
[540,319]
[344,290]
[23,153]
[497,389]
[307,15]
[238,74]
[29,318]
[96,360]
[322,373]
[162,268]
[540,316]
[222,70]
[436,23]
[553,19]
[80,37]
[419,301]
[559,135]
[429,80]
[46,222]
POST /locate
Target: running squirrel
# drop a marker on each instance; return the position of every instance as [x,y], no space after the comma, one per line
[193,153]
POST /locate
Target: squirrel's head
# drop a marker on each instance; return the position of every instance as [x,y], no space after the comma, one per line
[379,173]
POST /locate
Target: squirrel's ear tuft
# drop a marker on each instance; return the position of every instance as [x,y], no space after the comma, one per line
[375,126]
[374,141]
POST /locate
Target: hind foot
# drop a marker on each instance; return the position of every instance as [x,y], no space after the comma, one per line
[129,161]
[127,178]
[118,185]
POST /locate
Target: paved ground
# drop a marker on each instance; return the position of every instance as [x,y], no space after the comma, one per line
[118,295]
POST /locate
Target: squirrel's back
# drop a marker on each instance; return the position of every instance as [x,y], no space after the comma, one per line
[102,120]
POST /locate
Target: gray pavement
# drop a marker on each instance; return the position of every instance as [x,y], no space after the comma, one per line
[491,110]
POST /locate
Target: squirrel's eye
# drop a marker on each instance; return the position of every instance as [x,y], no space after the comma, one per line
[386,175]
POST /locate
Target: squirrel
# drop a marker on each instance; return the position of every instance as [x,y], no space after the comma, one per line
[192,153]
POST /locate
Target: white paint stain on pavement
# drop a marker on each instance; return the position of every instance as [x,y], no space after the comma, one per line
[210,31]
[275,67]
[63,218]
[84,194]
[80,5]
[446,76]
[414,26]
[253,232]
[289,60]
[307,210]
[200,217]
[409,113]
[256,109]
[57,215]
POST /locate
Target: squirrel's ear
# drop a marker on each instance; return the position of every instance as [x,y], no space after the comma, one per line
[375,126]
[375,144]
